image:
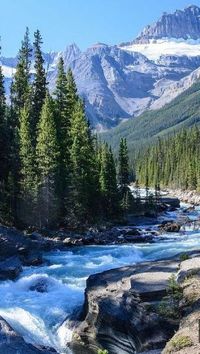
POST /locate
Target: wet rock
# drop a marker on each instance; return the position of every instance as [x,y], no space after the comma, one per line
[36,236]
[188,268]
[189,210]
[12,343]
[77,242]
[139,238]
[170,202]
[88,240]
[115,315]
[41,286]
[169,226]
[23,251]
[132,232]
[33,259]
[67,241]
[10,268]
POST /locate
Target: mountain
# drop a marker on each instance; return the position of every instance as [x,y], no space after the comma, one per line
[176,34]
[183,111]
[122,81]
[184,24]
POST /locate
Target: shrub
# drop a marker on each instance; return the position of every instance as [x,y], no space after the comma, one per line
[184,257]
[179,342]
[169,306]
[174,290]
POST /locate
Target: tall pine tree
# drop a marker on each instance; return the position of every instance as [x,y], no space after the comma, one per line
[48,157]
[123,174]
[108,184]
[20,88]
[63,126]
[27,169]
[39,83]
[72,96]
[84,168]
[20,94]
[3,149]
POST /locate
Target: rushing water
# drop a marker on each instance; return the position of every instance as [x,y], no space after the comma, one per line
[39,317]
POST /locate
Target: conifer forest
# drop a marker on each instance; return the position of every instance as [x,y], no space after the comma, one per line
[54,170]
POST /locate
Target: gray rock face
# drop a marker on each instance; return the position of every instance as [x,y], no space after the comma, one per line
[181,24]
[12,343]
[115,314]
[117,84]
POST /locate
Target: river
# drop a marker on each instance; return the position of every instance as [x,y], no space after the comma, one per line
[39,316]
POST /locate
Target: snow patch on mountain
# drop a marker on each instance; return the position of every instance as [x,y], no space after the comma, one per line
[8,71]
[166,46]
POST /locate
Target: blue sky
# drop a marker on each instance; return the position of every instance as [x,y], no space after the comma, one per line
[84,22]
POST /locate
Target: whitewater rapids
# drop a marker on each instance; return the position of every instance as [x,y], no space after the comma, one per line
[41,317]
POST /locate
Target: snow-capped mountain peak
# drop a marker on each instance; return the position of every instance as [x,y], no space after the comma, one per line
[175,34]
[121,81]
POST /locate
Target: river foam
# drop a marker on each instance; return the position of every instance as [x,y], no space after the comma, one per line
[40,317]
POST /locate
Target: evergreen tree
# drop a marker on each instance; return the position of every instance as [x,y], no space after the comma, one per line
[20,94]
[172,161]
[84,169]
[27,172]
[72,96]
[63,126]
[20,88]
[123,175]
[3,148]
[47,157]
[108,184]
[39,83]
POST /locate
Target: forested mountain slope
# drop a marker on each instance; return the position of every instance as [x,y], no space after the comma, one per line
[183,111]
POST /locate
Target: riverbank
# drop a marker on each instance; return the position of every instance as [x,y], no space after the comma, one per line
[186,196]
[138,309]
[19,249]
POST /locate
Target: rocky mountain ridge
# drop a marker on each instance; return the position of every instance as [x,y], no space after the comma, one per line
[120,82]
[184,24]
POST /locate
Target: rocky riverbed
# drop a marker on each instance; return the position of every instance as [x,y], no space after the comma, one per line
[124,308]
[191,197]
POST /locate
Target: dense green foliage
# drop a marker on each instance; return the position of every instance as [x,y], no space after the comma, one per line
[143,130]
[39,84]
[108,182]
[173,161]
[53,171]
[124,175]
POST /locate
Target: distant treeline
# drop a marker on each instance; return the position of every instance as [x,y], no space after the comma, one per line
[172,161]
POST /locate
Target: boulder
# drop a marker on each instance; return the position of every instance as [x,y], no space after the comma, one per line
[170,202]
[115,315]
[41,286]
[169,226]
[132,232]
[67,241]
[12,343]
[138,239]
[10,268]
[188,268]
[33,259]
